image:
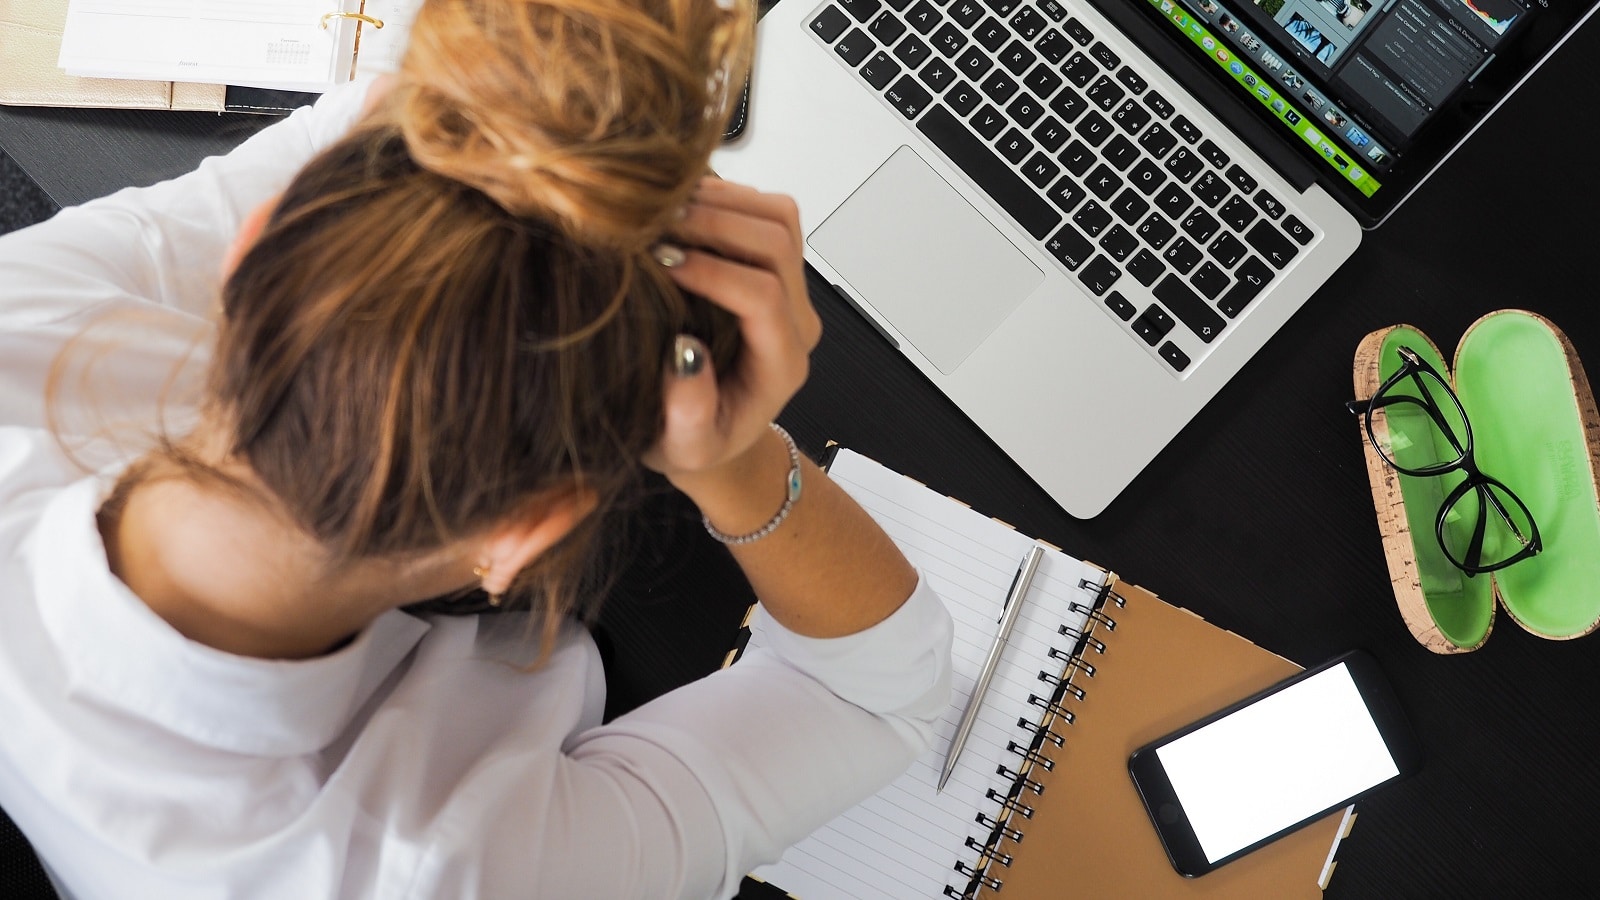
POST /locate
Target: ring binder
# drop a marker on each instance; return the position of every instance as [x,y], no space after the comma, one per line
[1034,752]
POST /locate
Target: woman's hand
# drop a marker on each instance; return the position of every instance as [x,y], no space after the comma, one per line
[742,250]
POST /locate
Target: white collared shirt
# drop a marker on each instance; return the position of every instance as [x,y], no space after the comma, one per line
[421,759]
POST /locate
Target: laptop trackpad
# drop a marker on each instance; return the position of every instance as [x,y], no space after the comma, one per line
[925,259]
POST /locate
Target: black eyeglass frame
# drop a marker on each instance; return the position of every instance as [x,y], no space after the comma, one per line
[1414,366]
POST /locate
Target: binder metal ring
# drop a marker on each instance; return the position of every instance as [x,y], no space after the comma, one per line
[989,853]
[1041,731]
[1000,827]
[1020,779]
[1010,804]
[1031,755]
[1049,705]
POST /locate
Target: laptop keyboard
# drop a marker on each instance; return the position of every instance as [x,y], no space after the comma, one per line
[1151,216]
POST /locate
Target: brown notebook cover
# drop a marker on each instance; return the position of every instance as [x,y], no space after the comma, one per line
[1163,667]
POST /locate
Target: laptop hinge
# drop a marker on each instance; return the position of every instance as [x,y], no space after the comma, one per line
[1226,105]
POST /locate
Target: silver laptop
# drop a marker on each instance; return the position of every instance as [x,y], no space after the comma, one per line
[1081,220]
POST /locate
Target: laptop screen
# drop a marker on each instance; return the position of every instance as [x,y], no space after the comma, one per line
[1377,92]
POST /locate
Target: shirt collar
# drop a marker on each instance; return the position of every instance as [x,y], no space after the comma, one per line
[117,651]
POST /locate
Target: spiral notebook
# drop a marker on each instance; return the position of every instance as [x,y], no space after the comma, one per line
[1041,804]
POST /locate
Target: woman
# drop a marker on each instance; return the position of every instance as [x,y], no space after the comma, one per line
[451,335]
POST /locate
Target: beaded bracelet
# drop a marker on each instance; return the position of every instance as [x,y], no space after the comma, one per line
[792,494]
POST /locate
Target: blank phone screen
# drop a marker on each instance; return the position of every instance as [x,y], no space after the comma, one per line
[1271,764]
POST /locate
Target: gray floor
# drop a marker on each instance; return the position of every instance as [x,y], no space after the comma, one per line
[21,201]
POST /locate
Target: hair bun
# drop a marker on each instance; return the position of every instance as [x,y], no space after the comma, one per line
[600,115]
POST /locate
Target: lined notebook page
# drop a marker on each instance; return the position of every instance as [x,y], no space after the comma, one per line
[905,840]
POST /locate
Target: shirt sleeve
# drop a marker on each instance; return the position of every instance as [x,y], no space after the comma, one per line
[687,794]
[145,262]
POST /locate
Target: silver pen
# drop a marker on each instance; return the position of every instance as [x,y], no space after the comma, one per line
[1019,590]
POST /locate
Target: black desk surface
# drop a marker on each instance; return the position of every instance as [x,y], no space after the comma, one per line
[1258,515]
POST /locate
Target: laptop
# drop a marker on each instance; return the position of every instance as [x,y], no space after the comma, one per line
[1080,220]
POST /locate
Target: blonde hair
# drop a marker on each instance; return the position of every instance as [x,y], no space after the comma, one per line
[451,311]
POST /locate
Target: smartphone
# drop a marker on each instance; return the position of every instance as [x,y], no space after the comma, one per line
[1267,765]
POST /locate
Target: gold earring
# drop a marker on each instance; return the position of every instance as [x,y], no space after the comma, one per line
[482,572]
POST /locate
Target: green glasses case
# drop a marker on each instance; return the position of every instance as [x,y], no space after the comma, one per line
[1535,428]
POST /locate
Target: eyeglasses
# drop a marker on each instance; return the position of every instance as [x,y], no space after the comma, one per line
[1482,525]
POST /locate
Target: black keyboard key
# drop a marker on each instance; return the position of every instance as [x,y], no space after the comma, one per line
[1027,24]
[1072,248]
[854,47]
[912,51]
[963,98]
[1147,177]
[1298,230]
[1184,165]
[1079,32]
[1104,93]
[1157,140]
[861,10]
[1092,218]
[924,17]
[1186,129]
[1226,250]
[1209,280]
[1017,58]
[937,75]
[1156,231]
[1069,105]
[1210,188]
[887,28]
[1120,153]
[1053,9]
[909,97]
[1153,324]
[1050,134]
[1119,304]
[1078,158]
[1041,170]
[1199,225]
[1189,308]
[1182,255]
[1094,129]
[1158,105]
[1241,179]
[1237,212]
[1213,154]
[1252,277]
[1067,194]
[830,23]
[880,70]
[998,86]
[1129,206]
[1053,46]
[1145,267]
[1002,7]
[949,40]
[1024,110]
[1131,116]
[1106,58]
[1015,146]
[973,64]
[1119,243]
[898,4]
[1015,196]
[1080,70]
[988,122]
[1271,244]
[1173,201]
[992,35]
[1269,205]
[1132,80]
[967,12]
[1043,81]
[1103,182]
[1099,275]
[1174,357]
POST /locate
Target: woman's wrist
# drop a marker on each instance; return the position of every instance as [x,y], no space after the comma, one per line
[743,495]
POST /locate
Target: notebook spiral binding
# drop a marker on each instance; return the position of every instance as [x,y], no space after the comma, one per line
[987,871]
